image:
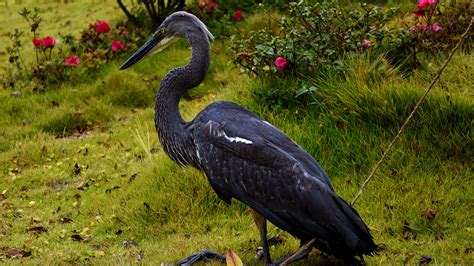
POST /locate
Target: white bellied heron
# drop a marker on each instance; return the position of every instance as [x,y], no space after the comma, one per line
[247,158]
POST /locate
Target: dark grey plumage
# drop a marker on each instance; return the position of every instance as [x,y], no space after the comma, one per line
[247,158]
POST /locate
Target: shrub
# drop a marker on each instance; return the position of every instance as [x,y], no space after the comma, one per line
[433,28]
[65,58]
[314,38]
[312,35]
[220,15]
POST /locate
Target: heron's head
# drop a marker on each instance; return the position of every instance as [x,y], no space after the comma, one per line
[178,25]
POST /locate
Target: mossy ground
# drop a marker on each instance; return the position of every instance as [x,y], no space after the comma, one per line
[127,189]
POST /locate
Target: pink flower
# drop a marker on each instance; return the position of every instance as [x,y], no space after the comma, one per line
[424,3]
[36,42]
[366,43]
[281,63]
[421,26]
[102,26]
[238,15]
[73,61]
[124,33]
[436,27]
[48,42]
[117,46]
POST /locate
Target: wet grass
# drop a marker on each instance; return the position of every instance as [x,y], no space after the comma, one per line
[83,161]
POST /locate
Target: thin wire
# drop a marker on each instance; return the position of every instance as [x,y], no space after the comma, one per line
[402,129]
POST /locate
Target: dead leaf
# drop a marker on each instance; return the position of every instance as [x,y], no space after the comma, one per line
[83,186]
[276,240]
[233,259]
[77,169]
[139,256]
[65,220]
[17,253]
[38,229]
[425,260]
[408,257]
[340,124]
[111,189]
[44,149]
[77,114]
[129,243]
[456,169]
[429,213]
[408,232]
[78,237]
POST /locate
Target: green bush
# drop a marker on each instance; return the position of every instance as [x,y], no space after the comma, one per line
[312,35]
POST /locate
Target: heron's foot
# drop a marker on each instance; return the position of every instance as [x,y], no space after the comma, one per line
[290,258]
[205,255]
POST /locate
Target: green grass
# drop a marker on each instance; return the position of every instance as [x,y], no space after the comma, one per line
[134,192]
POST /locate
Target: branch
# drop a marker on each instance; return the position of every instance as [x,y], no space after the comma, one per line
[131,17]
[402,129]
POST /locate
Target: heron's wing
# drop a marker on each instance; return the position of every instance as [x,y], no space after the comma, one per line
[235,120]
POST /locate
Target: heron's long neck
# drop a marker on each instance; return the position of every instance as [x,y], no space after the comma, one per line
[169,123]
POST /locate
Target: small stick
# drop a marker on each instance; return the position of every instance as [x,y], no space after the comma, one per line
[402,129]
[301,249]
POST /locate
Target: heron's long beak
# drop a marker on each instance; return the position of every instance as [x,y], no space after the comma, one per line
[156,43]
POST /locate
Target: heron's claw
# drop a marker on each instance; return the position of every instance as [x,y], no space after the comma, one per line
[205,255]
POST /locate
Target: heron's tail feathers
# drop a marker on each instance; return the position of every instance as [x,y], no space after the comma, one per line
[354,231]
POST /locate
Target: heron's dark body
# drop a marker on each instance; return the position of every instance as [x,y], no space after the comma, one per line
[252,161]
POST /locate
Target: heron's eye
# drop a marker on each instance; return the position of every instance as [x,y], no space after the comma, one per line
[161,30]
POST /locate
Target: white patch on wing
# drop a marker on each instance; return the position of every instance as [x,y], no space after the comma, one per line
[238,139]
[221,133]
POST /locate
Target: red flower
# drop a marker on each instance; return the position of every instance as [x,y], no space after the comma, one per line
[212,6]
[124,33]
[48,42]
[102,26]
[36,42]
[281,63]
[421,26]
[73,61]
[117,46]
[238,15]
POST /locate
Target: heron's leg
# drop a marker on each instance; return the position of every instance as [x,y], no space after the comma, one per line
[296,256]
[205,255]
[261,223]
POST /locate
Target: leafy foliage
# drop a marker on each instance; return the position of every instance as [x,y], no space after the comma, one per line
[312,36]
[66,57]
